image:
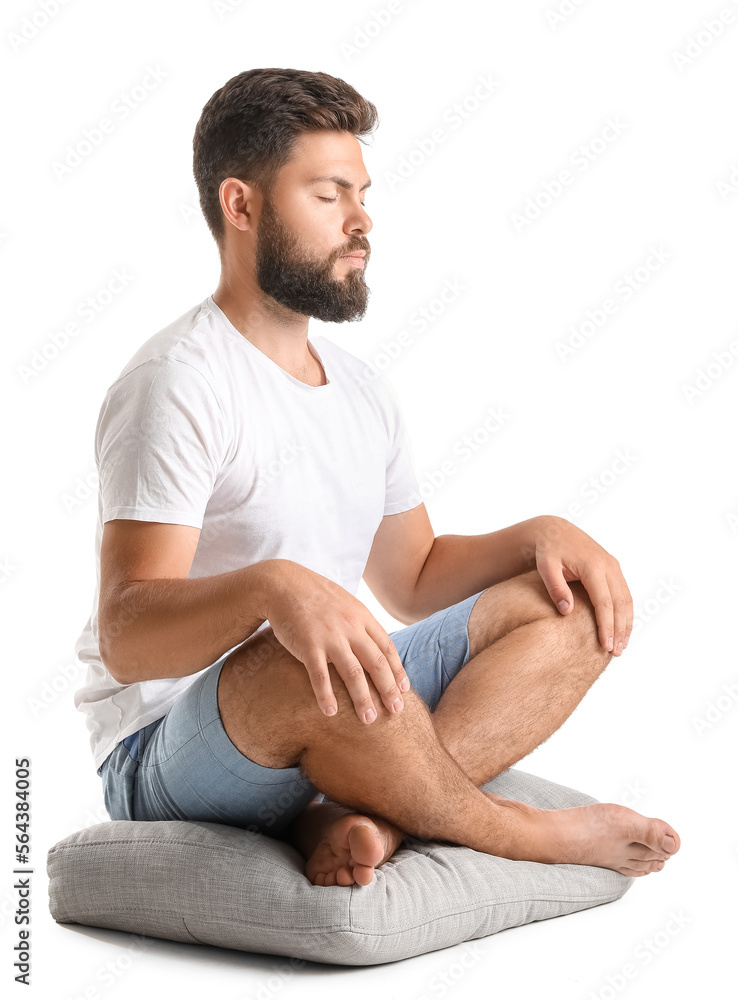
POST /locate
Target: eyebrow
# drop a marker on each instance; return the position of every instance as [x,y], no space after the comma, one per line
[341,181]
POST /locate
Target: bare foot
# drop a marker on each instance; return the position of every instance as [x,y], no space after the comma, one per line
[345,847]
[602,834]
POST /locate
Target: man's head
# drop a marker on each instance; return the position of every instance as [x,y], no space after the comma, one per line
[281,178]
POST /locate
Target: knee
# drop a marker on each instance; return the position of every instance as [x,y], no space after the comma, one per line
[272,684]
[580,624]
[343,744]
[346,723]
[500,609]
[524,599]
[584,620]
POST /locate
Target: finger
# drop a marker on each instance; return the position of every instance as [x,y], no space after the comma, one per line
[623,614]
[552,575]
[353,676]
[599,594]
[628,616]
[320,680]
[627,599]
[378,667]
[387,646]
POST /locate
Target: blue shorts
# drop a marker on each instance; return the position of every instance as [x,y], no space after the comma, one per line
[184,766]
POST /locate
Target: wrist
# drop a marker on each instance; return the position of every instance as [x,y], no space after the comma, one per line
[539,532]
[547,528]
[268,582]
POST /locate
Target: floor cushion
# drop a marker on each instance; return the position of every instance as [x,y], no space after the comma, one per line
[208,883]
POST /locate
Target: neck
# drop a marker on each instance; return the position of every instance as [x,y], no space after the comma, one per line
[278,332]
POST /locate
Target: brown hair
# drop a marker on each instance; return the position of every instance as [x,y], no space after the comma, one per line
[248,128]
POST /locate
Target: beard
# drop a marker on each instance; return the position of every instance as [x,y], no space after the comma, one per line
[292,275]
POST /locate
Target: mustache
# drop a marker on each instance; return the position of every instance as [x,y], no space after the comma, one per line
[361,245]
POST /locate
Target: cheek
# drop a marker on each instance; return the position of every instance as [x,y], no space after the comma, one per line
[313,230]
[314,223]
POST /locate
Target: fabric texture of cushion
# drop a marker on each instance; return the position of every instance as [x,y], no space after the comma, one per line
[208,883]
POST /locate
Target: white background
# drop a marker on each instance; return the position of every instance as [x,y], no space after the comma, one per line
[664,182]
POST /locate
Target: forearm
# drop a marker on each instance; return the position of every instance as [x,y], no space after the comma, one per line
[461,565]
[175,627]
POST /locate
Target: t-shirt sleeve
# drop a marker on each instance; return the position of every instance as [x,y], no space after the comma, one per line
[401,481]
[159,444]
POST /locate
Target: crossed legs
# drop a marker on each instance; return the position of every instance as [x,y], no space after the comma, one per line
[418,772]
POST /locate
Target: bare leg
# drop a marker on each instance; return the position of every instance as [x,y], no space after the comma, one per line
[397,768]
[528,669]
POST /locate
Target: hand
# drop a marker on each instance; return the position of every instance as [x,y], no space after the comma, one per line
[564,553]
[319,622]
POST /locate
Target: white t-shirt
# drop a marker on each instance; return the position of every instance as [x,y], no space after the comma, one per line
[203,428]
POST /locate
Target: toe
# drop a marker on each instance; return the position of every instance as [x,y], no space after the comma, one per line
[668,844]
[657,836]
[365,844]
[639,852]
[363,874]
[671,842]
[344,876]
[644,866]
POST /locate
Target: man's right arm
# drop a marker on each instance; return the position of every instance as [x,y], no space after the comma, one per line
[155,622]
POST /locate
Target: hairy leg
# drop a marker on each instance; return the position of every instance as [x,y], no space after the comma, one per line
[398,769]
[529,667]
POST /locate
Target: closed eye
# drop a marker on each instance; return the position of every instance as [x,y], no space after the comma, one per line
[363,203]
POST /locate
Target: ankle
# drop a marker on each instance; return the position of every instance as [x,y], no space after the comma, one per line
[522,832]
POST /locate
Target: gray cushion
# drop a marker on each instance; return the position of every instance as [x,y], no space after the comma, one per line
[208,883]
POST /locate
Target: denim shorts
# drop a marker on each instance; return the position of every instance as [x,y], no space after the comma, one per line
[184,766]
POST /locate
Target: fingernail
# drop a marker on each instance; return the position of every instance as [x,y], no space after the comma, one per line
[609,644]
[330,710]
[397,705]
[404,684]
[625,642]
[668,843]
[620,648]
[370,715]
[563,605]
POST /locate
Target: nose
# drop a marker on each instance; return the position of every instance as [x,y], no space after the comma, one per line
[358,222]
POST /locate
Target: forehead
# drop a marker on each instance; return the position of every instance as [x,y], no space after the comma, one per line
[326,153]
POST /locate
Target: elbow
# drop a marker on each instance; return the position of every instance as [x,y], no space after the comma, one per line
[111,628]
[112,651]
[112,665]
[404,615]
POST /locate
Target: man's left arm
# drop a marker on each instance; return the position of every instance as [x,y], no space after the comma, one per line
[413,573]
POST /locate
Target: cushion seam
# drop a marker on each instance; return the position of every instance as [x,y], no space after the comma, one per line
[351,929]
[149,840]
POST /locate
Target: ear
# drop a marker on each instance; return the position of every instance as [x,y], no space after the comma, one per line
[237,201]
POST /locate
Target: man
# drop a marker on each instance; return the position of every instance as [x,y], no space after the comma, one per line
[249,477]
